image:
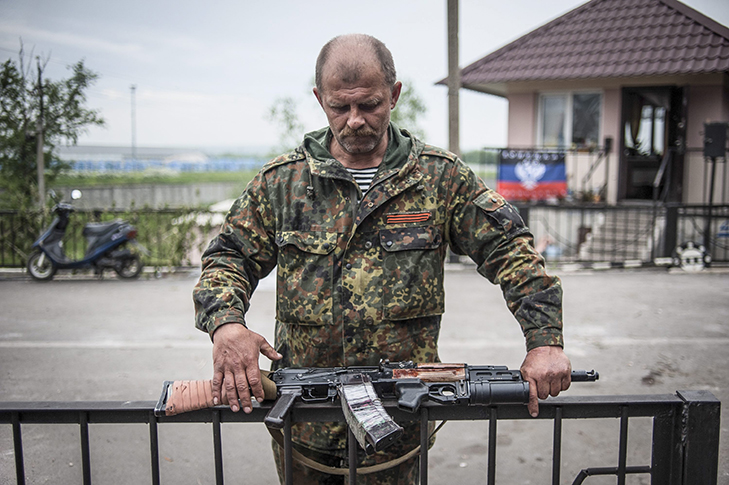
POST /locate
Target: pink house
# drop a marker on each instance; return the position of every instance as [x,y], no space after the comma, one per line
[625,86]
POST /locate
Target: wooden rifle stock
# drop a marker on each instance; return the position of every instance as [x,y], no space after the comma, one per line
[185,396]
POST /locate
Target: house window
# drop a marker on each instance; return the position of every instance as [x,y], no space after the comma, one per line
[570,119]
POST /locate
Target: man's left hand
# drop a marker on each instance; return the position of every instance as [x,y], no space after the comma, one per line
[548,371]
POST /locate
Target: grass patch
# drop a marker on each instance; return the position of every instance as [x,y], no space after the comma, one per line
[139,178]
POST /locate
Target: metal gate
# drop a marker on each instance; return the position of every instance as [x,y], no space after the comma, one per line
[685,430]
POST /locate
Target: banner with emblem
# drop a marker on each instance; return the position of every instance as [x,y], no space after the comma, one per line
[531,175]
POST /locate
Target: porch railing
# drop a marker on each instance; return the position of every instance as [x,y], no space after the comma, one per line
[599,233]
[684,450]
[663,175]
[587,170]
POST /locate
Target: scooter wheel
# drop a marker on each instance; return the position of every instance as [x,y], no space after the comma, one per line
[40,266]
[130,267]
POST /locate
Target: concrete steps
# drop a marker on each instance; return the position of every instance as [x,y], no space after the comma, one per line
[619,235]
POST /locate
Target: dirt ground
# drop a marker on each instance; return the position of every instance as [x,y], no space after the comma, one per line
[646,331]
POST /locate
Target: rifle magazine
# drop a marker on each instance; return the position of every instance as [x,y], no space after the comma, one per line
[371,425]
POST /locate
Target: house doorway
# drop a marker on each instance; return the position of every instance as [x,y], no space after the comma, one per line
[653,122]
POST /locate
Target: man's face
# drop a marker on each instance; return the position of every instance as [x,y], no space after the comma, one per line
[359,111]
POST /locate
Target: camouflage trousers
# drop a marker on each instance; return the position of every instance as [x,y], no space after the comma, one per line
[406,473]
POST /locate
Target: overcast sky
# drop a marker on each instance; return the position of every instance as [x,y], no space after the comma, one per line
[207,72]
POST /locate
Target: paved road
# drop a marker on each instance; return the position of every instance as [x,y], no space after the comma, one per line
[646,331]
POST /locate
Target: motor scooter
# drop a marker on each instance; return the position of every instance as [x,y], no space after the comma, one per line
[106,248]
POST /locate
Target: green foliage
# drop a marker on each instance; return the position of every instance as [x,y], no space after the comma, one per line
[283,113]
[481,157]
[173,236]
[64,118]
[410,108]
[74,179]
[18,230]
[169,235]
[484,163]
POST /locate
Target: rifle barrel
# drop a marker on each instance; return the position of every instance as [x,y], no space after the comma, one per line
[585,376]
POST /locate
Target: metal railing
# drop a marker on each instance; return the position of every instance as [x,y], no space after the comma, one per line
[584,181]
[602,157]
[662,176]
[169,234]
[603,233]
[689,224]
[592,232]
[564,233]
[684,451]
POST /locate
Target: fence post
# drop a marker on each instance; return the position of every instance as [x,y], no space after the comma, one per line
[85,447]
[18,449]
[700,423]
[217,447]
[667,455]
[154,447]
[686,441]
[670,231]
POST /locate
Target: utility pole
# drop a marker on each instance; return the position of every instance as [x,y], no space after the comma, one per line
[454,85]
[133,87]
[40,160]
[454,79]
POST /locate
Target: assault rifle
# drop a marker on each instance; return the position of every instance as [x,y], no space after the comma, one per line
[361,390]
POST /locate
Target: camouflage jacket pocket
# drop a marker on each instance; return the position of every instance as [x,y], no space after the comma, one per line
[412,272]
[304,277]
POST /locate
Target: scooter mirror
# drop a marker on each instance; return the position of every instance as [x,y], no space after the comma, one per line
[75,194]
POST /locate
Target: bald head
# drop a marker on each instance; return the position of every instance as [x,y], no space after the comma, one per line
[349,56]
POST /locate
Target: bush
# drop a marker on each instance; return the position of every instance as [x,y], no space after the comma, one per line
[171,235]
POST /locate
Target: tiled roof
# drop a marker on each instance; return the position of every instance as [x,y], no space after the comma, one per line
[607,39]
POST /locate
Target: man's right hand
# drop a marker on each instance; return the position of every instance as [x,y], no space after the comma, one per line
[235,365]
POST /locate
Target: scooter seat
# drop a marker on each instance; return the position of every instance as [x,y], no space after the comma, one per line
[99,228]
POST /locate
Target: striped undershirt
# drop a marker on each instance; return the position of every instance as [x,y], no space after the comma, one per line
[363,177]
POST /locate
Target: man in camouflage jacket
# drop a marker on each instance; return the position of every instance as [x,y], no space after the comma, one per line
[360,275]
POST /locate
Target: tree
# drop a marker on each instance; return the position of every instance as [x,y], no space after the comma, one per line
[28,104]
[283,113]
[410,107]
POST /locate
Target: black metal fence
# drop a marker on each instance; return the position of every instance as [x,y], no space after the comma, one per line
[684,451]
[702,224]
[563,233]
[171,235]
[641,234]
